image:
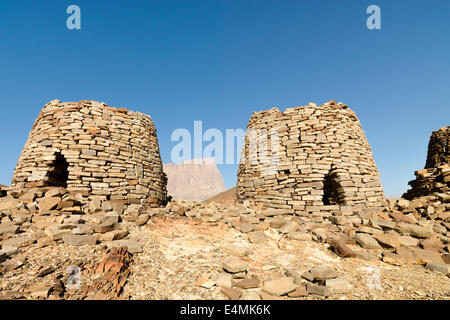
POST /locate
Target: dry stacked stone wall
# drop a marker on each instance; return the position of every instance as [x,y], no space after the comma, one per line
[435,178]
[324,161]
[92,149]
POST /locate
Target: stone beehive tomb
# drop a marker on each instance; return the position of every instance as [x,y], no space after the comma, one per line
[435,178]
[322,161]
[92,149]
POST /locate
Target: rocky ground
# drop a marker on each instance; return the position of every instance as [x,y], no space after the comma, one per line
[60,246]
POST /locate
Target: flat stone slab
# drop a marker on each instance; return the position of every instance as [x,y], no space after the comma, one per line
[248,283]
[299,292]
[389,241]
[280,287]
[414,230]
[393,258]
[300,236]
[246,227]
[56,233]
[231,293]
[104,227]
[8,229]
[366,241]
[323,273]
[83,229]
[20,241]
[425,256]
[338,285]
[113,235]
[142,219]
[48,203]
[289,227]
[8,203]
[250,296]
[257,237]
[386,225]
[408,241]
[132,245]
[224,280]
[407,255]
[275,212]
[313,288]
[439,267]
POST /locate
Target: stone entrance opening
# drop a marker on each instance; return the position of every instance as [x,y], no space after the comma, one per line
[331,187]
[59,172]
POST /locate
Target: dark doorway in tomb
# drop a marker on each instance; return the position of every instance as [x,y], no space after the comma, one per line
[59,172]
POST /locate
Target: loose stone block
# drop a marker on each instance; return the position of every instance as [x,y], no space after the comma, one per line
[336,166]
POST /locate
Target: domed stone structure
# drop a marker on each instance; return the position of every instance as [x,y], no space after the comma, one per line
[92,149]
[308,159]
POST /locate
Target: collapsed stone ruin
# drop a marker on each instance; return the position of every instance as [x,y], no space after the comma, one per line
[90,148]
[435,178]
[323,161]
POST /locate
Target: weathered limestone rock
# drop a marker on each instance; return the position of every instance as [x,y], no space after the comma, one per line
[439,267]
[313,288]
[435,178]
[113,235]
[425,256]
[90,148]
[8,228]
[248,283]
[341,249]
[236,251]
[280,286]
[224,280]
[301,236]
[79,240]
[414,230]
[231,293]
[48,203]
[393,258]
[322,273]
[142,219]
[257,237]
[338,285]
[300,291]
[246,227]
[104,227]
[20,241]
[8,203]
[367,241]
[388,240]
[55,232]
[289,227]
[314,157]
[8,250]
[197,179]
[250,296]
[132,245]
[83,229]
[408,241]
[234,265]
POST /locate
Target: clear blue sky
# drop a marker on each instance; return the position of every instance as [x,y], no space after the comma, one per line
[218,61]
